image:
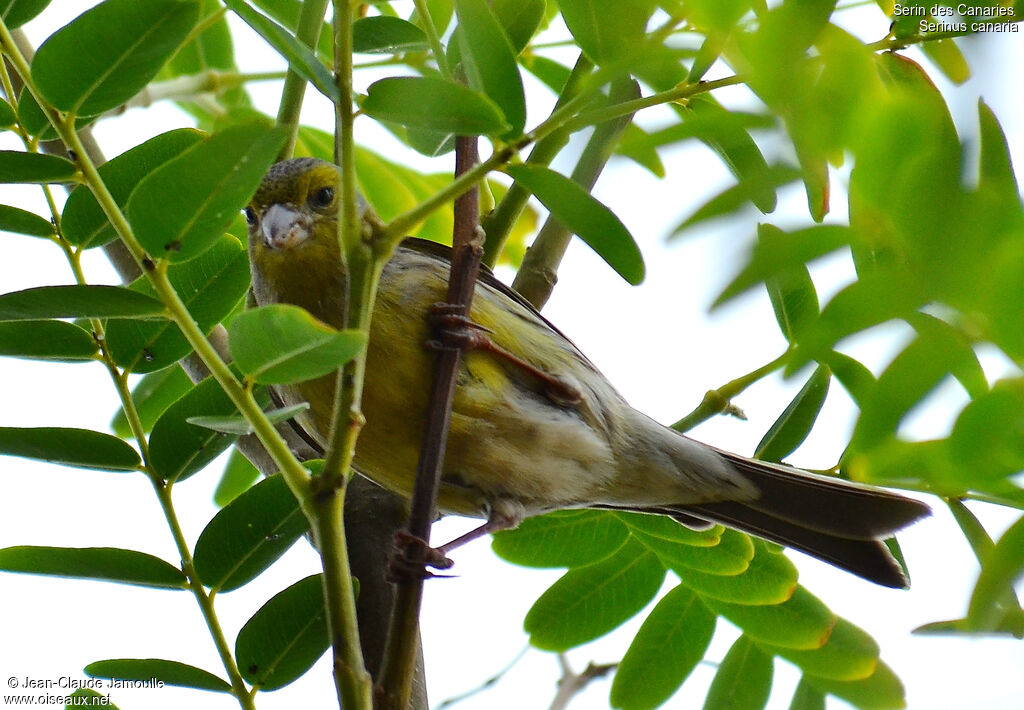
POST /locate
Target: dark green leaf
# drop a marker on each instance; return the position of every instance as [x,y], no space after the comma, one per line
[520,20]
[588,602]
[380,34]
[69,447]
[77,302]
[797,419]
[13,219]
[240,426]
[239,475]
[46,340]
[743,680]
[153,394]
[211,285]
[285,637]
[186,205]
[592,221]
[18,12]
[790,290]
[178,449]
[434,104]
[7,116]
[249,535]
[300,58]
[36,122]
[281,344]
[572,538]
[83,222]
[489,61]
[666,649]
[108,564]
[170,672]
[107,54]
[19,166]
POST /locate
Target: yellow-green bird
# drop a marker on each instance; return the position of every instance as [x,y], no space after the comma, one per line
[535,427]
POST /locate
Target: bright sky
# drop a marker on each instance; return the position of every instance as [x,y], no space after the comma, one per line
[656,343]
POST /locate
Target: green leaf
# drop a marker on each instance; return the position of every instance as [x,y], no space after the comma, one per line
[665,528]
[19,166]
[489,61]
[852,375]
[607,30]
[7,116]
[285,637]
[733,198]
[83,222]
[590,220]
[77,302]
[387,35]
[807,697]
[520,19]
[170,672]
[178,449]
[666,649]
[570,538]
[240,426]
[801,622]
[881,691]
[46,340]
[434,104]
[239,476]
[108,564]
[37,123]
[181,209]
[1000,568]
[211,285]
[17,12]
[249,535]
[282,344]
[770,579]
[797,419]
[743,680]
[19,221]
[588,602]
[300,58]
[731,555]
[996,169]
[849,654]
[153,394]
[791,291]
[948,58]
[81,448]
[109,53]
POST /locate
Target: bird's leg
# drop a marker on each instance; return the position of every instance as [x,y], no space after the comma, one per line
[454,329]
[413,554]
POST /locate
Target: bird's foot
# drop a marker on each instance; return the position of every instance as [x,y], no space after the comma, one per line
[412,556]
[455,330]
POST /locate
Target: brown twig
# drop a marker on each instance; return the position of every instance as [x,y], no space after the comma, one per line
[394,684]
[572,683]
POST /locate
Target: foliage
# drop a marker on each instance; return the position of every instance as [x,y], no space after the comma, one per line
[940,253]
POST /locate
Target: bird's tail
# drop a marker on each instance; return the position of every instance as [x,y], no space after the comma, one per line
[836,521]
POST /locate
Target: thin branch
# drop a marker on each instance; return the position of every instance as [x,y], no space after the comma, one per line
[572,684]
[311,19]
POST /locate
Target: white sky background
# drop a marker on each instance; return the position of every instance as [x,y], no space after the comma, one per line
[657,343]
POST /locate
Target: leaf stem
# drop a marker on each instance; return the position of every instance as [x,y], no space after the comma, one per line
[436,48]
[311,19]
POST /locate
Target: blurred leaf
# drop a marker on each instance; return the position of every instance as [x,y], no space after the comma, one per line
[240,426]
[19,221]
[83,222]
[733,198]
[743,680]
[987,441]
[183,207]
[791,292]
[281,344]
[435,104]
[170,672]
[7,116]
[637,145]
[520,19]
[582,214]
[109,53]
[489,61]
[881,691]
[852,375]
[797,419]
[301,59]
[807,697]
[81,448]
[801,622]
[19,166]
[588,602]
[567,538]
[607,30]
[77,302]
[153,394]
[666,649]
[47,340]
[1002,566]
[211,285]
[15,13]
[948,58]
[996,170]
[379,34]
[249,535]
[239,476]
[106,564]
[285,637]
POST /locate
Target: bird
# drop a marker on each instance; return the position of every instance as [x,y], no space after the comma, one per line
[535,427]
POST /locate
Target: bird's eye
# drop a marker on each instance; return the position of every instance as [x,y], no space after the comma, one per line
[322,197]
[250,216]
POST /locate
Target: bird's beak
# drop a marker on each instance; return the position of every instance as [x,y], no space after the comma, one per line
[283,227]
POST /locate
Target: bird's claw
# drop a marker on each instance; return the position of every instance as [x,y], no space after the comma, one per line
[412,557]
